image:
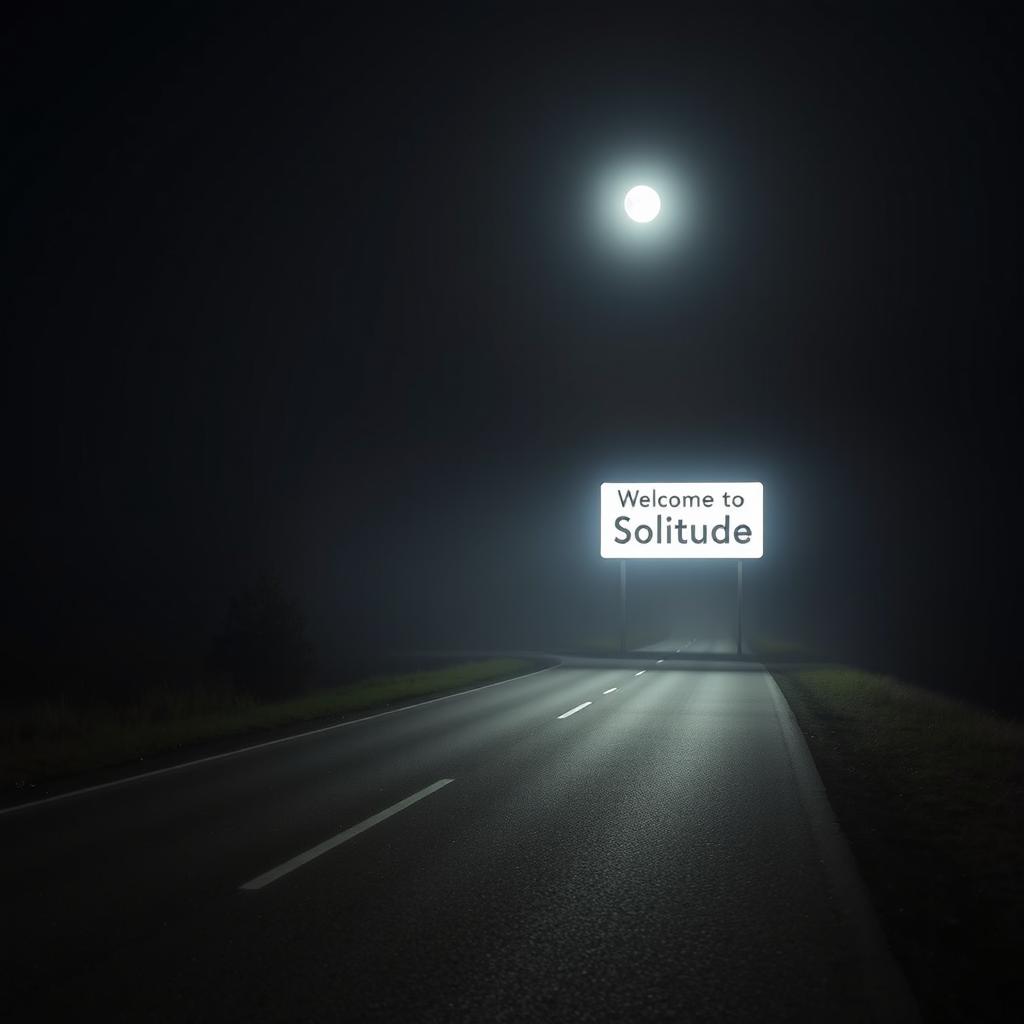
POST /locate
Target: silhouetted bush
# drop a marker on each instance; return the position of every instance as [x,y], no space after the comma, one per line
[263,645]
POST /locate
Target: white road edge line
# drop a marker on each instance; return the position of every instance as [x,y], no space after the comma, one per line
[342,837]
[260,746]
[579,707]
[888,994]
[640,673]
[612,690]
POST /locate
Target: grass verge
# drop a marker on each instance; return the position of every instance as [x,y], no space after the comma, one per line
[928,791]
[55,739]
[776,649]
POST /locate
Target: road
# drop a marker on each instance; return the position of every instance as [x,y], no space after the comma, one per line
[624,840]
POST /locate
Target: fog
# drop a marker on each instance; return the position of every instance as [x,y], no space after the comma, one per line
[366,322]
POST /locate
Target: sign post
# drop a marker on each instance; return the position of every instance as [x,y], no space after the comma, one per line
[739,607]
[622,606]
[682,520]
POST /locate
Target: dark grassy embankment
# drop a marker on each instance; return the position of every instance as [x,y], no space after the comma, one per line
[57,738]
[928,791]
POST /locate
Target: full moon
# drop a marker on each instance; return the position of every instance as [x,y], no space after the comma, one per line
[642,203]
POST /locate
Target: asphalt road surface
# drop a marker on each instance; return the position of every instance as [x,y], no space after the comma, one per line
[631,840]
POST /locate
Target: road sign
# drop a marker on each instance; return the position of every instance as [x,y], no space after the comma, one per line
[682,520]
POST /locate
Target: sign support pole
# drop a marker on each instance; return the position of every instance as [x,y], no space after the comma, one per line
[739,606]
[622,606]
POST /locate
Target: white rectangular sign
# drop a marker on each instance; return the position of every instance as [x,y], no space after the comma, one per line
[702,520]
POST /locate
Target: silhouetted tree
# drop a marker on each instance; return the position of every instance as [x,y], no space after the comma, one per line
[264,645]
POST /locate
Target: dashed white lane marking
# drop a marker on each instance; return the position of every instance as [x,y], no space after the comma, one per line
[640,673]
[579,707]
[342,837]
[612,690]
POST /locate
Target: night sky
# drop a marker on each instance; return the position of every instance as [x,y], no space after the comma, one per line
[333,295]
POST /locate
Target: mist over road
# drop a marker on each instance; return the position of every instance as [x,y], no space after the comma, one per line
[634,839]
[690,645]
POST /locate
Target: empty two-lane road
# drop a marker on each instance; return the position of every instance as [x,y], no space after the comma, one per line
[634,840]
